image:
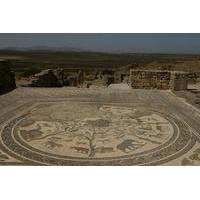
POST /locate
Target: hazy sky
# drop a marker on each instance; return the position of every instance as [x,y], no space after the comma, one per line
[136,43]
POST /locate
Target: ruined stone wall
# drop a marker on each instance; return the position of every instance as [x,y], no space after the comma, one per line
[149,79]
[179,81]
[156,79]
[192,77]
[121,76]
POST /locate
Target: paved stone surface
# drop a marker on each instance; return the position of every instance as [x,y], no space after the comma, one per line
[70,126]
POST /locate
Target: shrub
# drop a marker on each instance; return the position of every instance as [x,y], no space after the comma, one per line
[30,72]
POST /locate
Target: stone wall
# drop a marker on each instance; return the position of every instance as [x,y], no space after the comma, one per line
[192,77]
[149,79]
[179,81]
[156,79]
[7,78]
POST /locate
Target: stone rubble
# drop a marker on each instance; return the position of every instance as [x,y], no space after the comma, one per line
[48,78]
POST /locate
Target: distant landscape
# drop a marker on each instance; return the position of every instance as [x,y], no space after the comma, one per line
[22,61]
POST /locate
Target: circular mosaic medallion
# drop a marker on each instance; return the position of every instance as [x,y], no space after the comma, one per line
[93,134]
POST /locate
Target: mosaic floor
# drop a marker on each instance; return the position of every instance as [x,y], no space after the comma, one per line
[97,127]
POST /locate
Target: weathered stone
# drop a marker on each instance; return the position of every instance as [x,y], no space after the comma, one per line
[157,79]
[48,78]
[149,79]
[192,77]
[122,74]
[107,80]
[7,78]
[80,78]
[179,81]
[70,80]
